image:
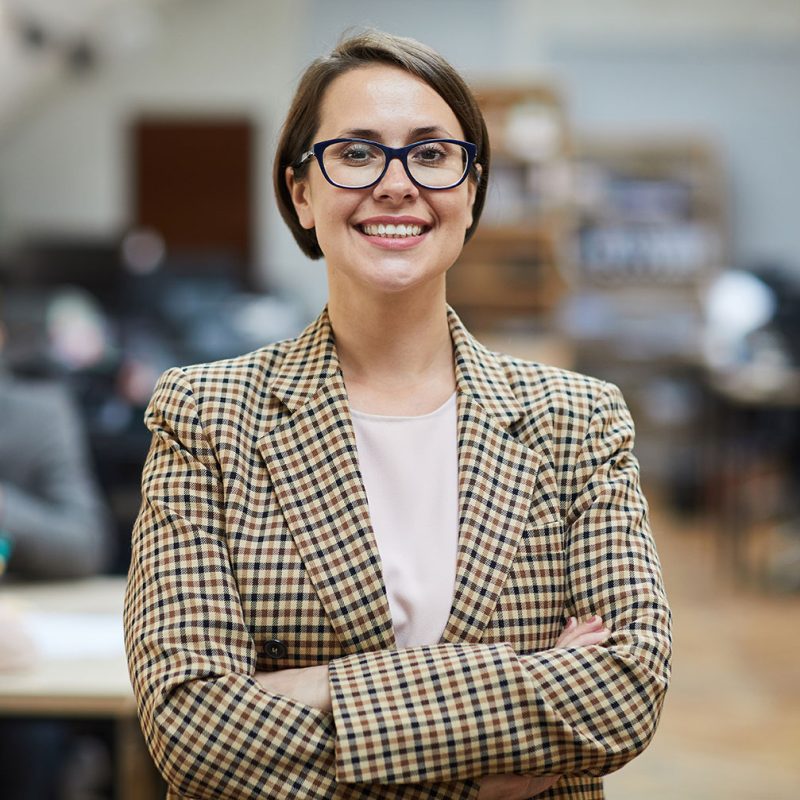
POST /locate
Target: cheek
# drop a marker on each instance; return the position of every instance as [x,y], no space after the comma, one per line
[336,208]
[332,221]
[467,217]
[460,212]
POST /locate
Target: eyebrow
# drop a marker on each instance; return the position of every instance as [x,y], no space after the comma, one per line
[427,131]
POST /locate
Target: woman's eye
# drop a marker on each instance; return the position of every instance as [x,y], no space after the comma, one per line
[357,155]
[429,155]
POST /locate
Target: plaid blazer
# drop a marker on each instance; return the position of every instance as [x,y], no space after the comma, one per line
[253,551]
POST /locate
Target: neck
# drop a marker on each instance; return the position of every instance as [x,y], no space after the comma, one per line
[393,342]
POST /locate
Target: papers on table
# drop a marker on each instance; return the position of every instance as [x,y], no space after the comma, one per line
[70,636]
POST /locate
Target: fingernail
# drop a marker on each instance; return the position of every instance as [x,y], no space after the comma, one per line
[571,622]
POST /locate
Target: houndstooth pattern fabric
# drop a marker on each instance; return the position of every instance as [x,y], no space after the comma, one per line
[254,526]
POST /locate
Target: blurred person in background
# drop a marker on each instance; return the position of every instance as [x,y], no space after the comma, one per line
[53,520]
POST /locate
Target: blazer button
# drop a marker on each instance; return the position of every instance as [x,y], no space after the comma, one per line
[275,648]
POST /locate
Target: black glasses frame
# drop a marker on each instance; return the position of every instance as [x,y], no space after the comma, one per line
[390,153]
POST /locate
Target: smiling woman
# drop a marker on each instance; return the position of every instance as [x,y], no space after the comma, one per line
[379,560]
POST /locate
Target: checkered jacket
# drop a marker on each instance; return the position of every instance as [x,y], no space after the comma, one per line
[253,551]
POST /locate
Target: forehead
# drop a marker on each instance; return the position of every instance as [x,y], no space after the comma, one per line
[385,99]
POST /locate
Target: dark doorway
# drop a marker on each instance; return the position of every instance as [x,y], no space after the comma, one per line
[192,183]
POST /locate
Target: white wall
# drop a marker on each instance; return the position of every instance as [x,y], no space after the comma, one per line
[727,68]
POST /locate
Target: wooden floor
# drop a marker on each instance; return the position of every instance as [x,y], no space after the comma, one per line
[731,722]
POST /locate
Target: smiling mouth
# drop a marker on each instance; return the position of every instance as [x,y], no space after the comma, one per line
[401,231]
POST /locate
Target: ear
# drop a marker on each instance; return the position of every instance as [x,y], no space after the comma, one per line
[472,190]
[300,192]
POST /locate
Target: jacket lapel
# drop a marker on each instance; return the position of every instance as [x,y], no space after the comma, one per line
[496,478]
[313,464]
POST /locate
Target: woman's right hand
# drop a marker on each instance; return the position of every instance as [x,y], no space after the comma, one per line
[307,685]
[520,787]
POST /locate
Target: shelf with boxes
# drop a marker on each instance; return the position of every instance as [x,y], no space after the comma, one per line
[650,234]
[648,212]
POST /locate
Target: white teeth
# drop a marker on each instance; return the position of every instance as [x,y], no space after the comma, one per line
[392,230]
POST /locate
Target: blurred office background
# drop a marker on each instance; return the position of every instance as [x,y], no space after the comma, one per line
[641,226]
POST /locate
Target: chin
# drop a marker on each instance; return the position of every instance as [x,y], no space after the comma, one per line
[390,274]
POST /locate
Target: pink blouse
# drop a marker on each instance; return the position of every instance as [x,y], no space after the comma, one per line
[410,470]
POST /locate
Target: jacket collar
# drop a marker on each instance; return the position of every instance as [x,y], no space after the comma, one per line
[312,360]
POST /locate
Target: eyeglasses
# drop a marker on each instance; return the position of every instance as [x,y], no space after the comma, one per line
[361,163]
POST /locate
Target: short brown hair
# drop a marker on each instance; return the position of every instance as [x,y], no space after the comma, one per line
[361,50]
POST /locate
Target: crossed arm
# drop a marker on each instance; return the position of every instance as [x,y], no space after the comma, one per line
[311,686]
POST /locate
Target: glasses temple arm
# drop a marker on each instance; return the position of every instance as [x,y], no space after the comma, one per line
[303,158]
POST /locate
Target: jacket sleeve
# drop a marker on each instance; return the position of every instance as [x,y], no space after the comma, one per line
[212,730]
[452,711]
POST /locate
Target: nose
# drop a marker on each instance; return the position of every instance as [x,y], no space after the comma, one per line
[395,183]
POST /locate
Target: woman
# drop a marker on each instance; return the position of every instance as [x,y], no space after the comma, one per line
[358,549]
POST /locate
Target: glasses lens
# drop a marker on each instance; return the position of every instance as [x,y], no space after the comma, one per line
[353,164]
[437,164]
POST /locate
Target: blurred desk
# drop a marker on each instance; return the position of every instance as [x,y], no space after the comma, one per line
[751,389]
[758,467]
[88,686]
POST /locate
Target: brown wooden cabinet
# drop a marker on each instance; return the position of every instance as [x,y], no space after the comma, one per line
[511,267]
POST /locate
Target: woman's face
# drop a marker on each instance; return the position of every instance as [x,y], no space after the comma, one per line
[388,105]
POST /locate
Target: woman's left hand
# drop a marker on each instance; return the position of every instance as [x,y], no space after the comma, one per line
[307,685]
[514,787]
[583,633]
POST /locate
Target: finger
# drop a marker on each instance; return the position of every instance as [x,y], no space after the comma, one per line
[567,632]
[590,638]
[583,637]
[575,628]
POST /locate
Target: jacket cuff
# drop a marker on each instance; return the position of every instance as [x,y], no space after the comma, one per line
[418,714]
